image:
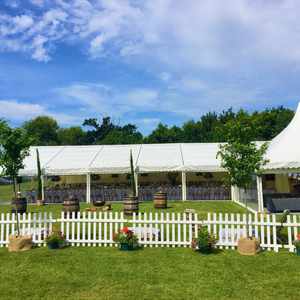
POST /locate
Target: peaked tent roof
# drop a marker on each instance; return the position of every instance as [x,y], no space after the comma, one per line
[284,150]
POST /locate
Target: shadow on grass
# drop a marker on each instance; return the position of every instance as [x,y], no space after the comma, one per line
[212,252]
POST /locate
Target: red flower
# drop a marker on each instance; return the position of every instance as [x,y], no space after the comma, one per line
[125,230]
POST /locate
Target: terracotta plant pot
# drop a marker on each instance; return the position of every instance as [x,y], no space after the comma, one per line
[248,246]
[19,243]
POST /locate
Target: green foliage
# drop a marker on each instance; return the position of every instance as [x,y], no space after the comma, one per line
[240,156]
[71,136]
[14,147]
[43,129]
[55,237]
[209,128]
[297,244]
[39,176]
[126,236]
[205,242]
[164,134]
[127,134]
[108,133]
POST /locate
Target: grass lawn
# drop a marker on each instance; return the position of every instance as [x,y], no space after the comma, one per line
[6,191]
[151,273]
[202,207]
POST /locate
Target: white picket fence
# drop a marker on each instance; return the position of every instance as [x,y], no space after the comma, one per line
[152,229]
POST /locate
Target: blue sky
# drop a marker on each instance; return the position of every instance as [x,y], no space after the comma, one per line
[146,61]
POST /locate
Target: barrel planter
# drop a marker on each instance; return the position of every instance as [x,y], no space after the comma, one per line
[98,203]
[131,205]
[160,200]
[70,205]
[19,205]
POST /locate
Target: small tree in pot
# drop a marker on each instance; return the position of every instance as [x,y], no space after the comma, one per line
[242,158]
[39,195]
[131,203]
[14,147]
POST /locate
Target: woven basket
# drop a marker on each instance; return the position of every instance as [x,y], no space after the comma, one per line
[19,243]
[247,246]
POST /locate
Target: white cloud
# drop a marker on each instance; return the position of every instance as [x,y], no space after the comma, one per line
[142,98]
[19,111]
[179,34]
[38,2]
[40,53]
[102,99]
[165,76]
[198,49]
[14,110]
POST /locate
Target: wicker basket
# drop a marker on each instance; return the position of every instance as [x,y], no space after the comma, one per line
[19,243]
[247,246]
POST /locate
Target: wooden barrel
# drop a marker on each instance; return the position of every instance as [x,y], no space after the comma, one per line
[71,204]
[160,200]
[131,205]
[98,202]
[19,205]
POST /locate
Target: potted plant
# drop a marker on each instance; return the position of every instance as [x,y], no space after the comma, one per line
[242,158]
[297,245]
[14,147]
[131,202]
[55,240]
[205,242]
[126,239]
[39,196]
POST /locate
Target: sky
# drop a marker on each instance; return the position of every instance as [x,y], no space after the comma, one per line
[146,61]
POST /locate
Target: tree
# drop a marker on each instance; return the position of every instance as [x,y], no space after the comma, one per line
[164,134]
[109,133]
[271,121]
[127,134]
[99,131]
[14,147]
[240,156]
[71,136]
[43,129]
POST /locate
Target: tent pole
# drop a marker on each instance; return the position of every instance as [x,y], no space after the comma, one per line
[260,197]
[43,188]
[136,178]
[183,186]
[88,188]
[233,198]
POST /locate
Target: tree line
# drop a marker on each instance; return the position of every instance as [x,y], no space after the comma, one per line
[209,128]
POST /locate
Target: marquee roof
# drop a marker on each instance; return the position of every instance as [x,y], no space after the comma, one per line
[284,150]
[104,159]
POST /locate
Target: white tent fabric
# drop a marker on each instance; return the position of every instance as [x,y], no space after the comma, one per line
[72,160]
[201,157]
[46,153]
[160,158]
[113,159]
[284,150]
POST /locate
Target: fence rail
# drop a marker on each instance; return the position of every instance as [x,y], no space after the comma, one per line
[153,229]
